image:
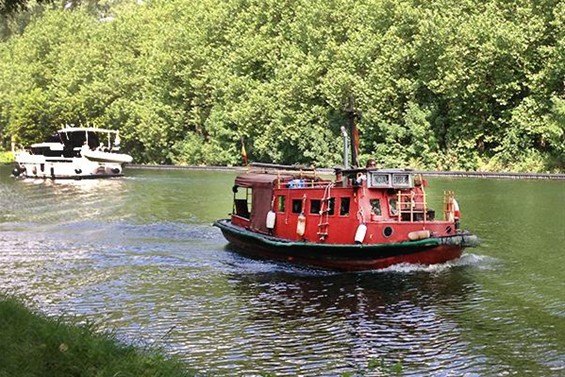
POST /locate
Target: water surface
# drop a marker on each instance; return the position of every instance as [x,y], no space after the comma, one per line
[138,255]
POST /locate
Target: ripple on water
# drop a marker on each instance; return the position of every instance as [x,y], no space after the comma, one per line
[173,284]
[155,280]
[139,256]
[302,323]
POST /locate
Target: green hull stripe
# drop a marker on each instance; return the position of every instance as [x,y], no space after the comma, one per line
[272,241]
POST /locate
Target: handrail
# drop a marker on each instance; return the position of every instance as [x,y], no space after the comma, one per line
[281,167]
[410,205]
[303,183]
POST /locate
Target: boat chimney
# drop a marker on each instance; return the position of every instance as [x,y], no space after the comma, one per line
[345,147]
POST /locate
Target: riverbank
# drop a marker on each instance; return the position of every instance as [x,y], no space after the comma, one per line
[462,174]
[32,344]
[7,158]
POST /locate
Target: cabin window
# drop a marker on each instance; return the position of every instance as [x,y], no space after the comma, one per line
[242,201]
[296,205]
[315,206]
[344,209]
[280,203]
[376,207]
[392,205]
[331,206]
[378,179]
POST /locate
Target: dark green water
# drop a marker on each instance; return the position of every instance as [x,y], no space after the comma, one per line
[139,255]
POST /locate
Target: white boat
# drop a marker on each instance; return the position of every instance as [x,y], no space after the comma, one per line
[75,153]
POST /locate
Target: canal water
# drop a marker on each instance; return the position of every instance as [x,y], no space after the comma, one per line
[139,256]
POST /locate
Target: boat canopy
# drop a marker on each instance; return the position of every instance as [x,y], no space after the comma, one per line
[88,129]
[75,137]
[262,186]
[257,180]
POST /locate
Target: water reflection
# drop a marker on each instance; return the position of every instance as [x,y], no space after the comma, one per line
[355,318]
[54,201]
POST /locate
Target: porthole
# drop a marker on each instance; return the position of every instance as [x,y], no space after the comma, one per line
[448,229]
[387,231]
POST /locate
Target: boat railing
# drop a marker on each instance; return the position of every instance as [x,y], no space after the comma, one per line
[262,166]
[412,207]
[302,183]
[298,170]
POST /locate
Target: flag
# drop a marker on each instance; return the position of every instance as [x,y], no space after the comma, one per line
[243,152]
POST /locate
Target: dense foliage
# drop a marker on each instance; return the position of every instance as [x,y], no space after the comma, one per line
[474,84]
[11,6]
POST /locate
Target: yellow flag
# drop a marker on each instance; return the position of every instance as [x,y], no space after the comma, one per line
[243,152]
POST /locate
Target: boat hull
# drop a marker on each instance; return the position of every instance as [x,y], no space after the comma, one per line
[346,257]
[38,166]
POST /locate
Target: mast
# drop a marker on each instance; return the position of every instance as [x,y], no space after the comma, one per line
[352,116]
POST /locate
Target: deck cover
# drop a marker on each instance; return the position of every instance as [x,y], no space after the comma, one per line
[253,180]
[262,194]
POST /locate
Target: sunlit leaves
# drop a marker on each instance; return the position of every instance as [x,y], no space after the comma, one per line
[443,84]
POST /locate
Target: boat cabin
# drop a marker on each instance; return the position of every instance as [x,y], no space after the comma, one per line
[67,142]
[362,205]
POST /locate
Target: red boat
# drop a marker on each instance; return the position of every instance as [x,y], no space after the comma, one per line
[360,219]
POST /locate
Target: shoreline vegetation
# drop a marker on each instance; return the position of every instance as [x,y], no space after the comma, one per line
[34,344]
[466,86]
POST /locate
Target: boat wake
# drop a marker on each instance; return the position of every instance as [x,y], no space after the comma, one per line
[245,264]
[467,260]
[252,266]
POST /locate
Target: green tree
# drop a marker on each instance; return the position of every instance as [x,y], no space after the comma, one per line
[466,85]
